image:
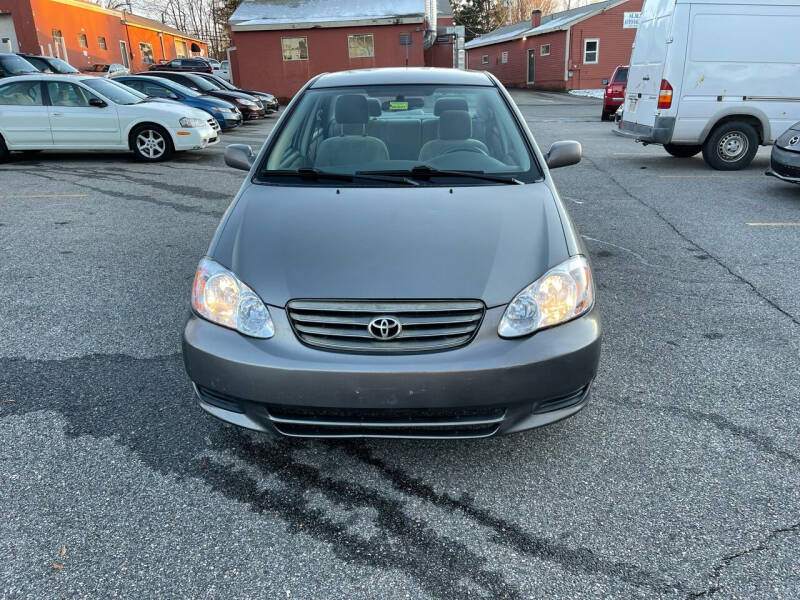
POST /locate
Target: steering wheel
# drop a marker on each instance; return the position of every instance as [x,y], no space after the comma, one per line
[476,149]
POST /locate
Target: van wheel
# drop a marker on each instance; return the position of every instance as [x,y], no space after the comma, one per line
[150,143]
[731,146]
[682,151]
[3,151]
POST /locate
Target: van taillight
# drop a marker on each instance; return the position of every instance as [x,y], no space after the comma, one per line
[665,94]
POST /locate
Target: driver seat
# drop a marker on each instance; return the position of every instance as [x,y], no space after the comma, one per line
[455,132]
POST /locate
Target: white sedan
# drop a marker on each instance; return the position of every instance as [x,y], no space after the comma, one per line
[53,112]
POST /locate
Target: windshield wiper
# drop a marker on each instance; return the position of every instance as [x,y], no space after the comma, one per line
[425,172]
[314,173]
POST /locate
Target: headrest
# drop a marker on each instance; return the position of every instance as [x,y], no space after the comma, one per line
[374,107]
[455,125]
[351,108]
[449,103]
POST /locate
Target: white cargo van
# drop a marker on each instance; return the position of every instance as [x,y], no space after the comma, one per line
[717,76]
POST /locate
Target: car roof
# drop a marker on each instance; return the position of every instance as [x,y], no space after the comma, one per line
[402,75]
[51,77]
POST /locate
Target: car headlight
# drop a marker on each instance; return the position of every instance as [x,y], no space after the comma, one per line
[563,293]
[191,122]
[219,296]
[244,102]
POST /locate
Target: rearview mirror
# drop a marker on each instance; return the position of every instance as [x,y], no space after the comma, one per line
[563,154]
[239,156]
[97,102]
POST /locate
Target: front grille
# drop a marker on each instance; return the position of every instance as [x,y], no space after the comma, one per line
[784,169]
[214,124]
[426,326]
[405,423]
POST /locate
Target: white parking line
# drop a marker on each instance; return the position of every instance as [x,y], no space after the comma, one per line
[31,196]
[775,224]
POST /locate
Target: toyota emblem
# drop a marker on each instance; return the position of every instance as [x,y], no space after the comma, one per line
[384,328]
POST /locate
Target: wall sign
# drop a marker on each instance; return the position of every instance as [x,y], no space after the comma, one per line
[630,20]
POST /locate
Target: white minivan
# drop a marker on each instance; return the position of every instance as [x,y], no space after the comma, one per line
[717,76]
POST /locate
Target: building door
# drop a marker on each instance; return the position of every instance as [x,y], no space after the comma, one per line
[8,35]
[531,65]
[123,49]
[60,45]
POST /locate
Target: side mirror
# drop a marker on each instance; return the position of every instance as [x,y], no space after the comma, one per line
[173,96]
[563,154]
[239,156]
[97,102]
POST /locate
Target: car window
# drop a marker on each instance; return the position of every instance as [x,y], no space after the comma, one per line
[197,83]
[11,64]
[396,128]
[21,93]
[156,90]
[63,93]
[62,66]
[175,63]
[40,63]
[621,76]
[115,92]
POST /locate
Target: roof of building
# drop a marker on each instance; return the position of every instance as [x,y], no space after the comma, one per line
[402,76]
[553,22]
[134,20]
[305,14]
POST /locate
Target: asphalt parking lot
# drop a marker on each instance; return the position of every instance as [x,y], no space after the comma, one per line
[679,480]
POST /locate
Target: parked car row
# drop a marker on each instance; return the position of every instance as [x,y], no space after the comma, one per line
[45,103]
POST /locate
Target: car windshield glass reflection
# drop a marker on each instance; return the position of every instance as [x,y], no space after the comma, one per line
[436,135]
[114,92]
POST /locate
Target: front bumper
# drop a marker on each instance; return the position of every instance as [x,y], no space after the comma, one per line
[196,138]
[252,113]
[229,121]
[490,386]
[784,164]
[659,133]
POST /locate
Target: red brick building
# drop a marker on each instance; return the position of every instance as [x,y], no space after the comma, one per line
[83,33]
[278,45]
[570,50]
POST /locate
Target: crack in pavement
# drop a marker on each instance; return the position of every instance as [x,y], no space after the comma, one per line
[687,239]
[506,533]
[726,561]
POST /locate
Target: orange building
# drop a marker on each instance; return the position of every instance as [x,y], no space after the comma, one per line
[83,33]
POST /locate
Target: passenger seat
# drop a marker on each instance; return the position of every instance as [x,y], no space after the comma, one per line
[353,146]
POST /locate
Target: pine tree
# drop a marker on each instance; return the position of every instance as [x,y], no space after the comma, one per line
[477,16]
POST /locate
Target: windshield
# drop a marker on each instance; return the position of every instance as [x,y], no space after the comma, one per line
[202,84]
[409,131]
[115,92]
[16,65]
[213,82]
[223,85]
[621,76]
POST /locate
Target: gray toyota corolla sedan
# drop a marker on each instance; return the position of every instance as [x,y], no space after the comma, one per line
[398,263]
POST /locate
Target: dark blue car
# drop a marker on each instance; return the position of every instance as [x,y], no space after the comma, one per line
[226,114]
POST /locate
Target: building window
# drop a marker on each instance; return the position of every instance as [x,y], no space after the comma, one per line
[295,48]
[82,41]
[485,59]
[504,57]
[146,50]
[101,43]
[361,46]
[544,50]
[591,51]
[180,48]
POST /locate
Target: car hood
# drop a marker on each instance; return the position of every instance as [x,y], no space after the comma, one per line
[171,110]
[481,242]
[229,94]
[214,101]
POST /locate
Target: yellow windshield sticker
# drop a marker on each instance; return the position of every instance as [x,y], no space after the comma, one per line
[397,105]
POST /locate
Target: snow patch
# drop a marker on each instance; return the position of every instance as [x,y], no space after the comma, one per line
[588,93]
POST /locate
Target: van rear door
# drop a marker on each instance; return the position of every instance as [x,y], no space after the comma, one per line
[647,64]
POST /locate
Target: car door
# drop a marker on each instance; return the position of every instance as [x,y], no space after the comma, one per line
[24,119]
[75,123]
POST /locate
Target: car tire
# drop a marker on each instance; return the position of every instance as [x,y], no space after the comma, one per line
[731,146]
[682,151]
[605,116]
[3,151]
[151,143]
